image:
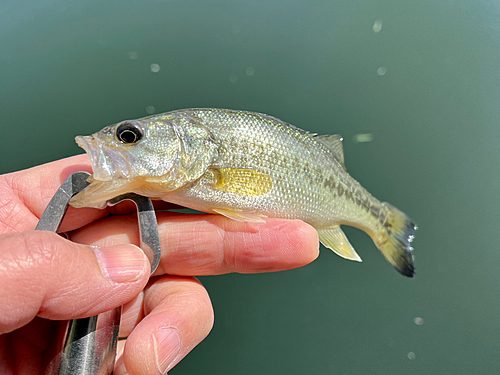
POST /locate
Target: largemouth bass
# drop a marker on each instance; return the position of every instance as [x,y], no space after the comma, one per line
[245,166]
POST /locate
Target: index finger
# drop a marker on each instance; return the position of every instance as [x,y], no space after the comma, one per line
[24,195]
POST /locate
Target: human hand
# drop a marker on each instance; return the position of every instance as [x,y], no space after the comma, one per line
[44,277]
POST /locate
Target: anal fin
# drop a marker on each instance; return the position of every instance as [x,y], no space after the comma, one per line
[334,239]
[239,215]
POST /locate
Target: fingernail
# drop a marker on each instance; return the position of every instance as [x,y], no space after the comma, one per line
[167,344]
[121,263]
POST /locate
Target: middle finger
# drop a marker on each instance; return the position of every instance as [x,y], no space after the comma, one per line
[176,315]
[203,244]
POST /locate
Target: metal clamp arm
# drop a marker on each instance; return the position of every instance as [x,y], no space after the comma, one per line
[88,346]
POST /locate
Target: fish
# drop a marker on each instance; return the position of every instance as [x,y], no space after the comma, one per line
[246,166]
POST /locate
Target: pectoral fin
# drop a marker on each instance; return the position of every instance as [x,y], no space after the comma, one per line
[242,181]
[334,239]
[240,216]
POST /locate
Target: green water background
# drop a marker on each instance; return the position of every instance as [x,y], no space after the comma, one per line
[426,86]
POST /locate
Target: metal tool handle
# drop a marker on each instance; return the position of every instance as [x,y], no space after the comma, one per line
[88,346]
[85,346]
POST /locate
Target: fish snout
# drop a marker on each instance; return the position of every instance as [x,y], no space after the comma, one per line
[102,166]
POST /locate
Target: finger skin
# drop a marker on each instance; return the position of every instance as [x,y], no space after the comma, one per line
[132,314]
[24,195]
[212,244]
[193,244]
[45,275]
[178,305]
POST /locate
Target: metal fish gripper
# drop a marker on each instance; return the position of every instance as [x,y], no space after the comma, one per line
[87,346]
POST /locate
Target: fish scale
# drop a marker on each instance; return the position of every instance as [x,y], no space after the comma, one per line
[288,183]
[246,166]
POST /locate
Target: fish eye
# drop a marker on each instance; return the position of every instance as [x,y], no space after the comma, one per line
[128,133]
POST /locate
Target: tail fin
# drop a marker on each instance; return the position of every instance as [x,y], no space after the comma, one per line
[394,241]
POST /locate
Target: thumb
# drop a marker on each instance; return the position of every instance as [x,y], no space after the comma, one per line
[45,275]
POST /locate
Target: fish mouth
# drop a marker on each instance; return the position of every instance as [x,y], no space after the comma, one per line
[107,164]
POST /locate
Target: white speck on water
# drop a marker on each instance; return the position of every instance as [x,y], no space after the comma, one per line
[155,68]
[132,55]
[250,71]
[150,109]
[418,321]
[411,355]
[381,71]
[233,78]
[361,138]
[377,26]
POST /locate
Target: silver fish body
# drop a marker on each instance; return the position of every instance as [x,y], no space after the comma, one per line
[245,166]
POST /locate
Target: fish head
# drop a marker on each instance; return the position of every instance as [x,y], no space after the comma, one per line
[131,149]
[149,156]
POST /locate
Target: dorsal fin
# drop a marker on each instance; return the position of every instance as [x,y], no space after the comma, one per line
[334,144]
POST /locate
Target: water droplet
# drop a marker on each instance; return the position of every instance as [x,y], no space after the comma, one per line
[411,355]
[377,26]
[150,109]
[381,71]
[132,55]
[361,138]
[155,68]
[250,71]
[233,78]
[418,321]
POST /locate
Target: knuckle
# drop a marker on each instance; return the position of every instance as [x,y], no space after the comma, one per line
[198,305]
[229,259]
[27,253]
[188,295]
[214,253]
[32,250]
[12,215]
